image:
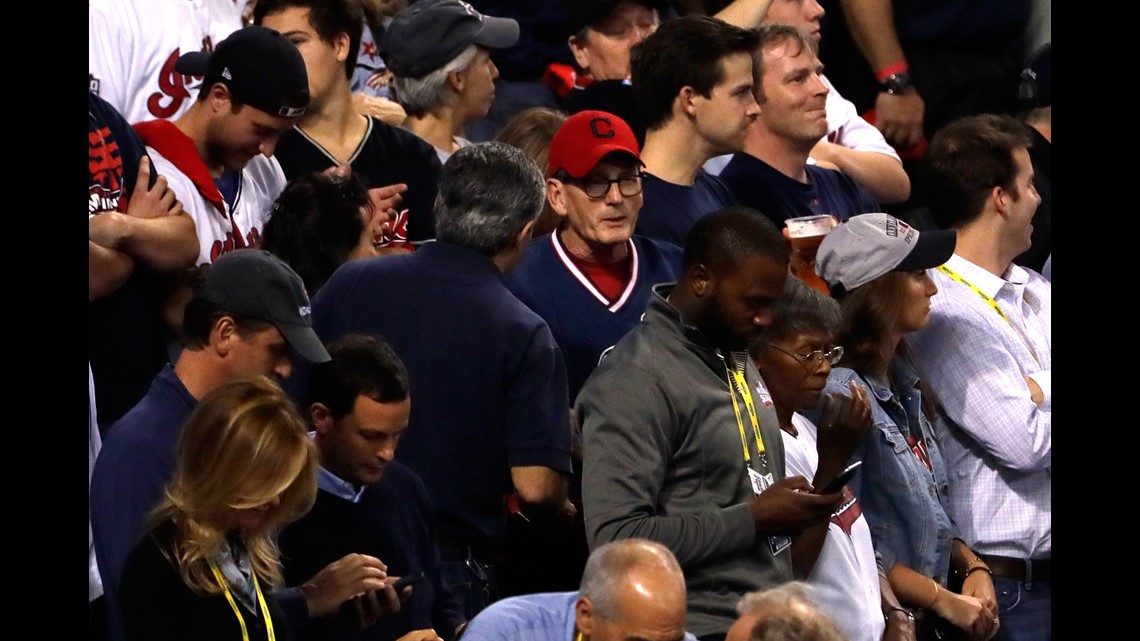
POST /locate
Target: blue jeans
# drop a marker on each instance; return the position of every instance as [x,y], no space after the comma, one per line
[472,583]
[1024,610]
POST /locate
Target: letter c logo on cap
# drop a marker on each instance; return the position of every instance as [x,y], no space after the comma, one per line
[608,132]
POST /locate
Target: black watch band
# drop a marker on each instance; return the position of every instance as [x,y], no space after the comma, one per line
[896,83]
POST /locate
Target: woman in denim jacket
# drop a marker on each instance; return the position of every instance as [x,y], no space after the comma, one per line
[876,268]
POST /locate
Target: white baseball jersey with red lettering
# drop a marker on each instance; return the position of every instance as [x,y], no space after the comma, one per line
[133,45]
[240,226]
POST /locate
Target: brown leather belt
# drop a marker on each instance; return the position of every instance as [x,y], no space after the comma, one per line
[1033,570]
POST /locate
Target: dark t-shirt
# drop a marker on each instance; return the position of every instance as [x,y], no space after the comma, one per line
[387,155]
[760,186]
[961,23]
[670,210]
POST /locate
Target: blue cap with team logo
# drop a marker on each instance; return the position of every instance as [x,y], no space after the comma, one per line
[257,284]
[259,65]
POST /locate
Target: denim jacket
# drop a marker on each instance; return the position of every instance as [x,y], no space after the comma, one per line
[901,498]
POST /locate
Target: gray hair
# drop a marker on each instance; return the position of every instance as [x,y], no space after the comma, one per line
[800,310]
[786,613]
[610,563]
[487,193]
[419,96]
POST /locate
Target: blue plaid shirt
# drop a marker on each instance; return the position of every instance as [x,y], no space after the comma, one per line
[997,443]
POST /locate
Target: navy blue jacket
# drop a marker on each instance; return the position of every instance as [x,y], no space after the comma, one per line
[488,383]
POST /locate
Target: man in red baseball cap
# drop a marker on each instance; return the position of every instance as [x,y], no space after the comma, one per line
[590,278]
[590,281]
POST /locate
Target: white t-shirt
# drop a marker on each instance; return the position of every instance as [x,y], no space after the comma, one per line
[845,127]
[846,575]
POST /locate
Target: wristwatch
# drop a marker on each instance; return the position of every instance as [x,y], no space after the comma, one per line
[897,83]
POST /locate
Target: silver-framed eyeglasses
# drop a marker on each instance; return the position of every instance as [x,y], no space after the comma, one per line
[597,187]
[816,358]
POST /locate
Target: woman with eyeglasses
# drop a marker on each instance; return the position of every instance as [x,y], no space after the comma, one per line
[876,267]
[837,558]
[245,467]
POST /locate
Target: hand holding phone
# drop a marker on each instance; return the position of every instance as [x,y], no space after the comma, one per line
[407,580]
[843,479]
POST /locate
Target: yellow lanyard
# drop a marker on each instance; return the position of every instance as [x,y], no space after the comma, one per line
[992,303]
[260,600]
[989,301]
[737,385]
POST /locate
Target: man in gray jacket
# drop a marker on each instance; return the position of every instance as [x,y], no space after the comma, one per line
[681,443]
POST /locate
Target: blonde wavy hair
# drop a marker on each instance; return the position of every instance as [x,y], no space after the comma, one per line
[244,445]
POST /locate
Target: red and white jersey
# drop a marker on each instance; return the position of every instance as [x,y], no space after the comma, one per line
[133,45]
[222,227]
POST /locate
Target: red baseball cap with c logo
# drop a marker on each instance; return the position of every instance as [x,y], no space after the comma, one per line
[587,136]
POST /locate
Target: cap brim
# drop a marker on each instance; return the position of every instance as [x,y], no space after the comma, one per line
[498,33]
[582,164]
[305,341]
[933,248]
[193,63]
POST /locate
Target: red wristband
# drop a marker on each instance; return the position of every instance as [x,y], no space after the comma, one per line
[890,70]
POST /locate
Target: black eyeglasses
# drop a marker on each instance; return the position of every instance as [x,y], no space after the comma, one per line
[598,187]
[816,358]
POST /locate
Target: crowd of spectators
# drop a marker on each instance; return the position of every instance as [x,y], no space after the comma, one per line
[429,320]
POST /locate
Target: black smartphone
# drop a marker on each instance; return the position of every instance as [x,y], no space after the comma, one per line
[408,580]
[843,479]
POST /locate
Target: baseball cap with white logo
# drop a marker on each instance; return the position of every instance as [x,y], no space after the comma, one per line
[257,284]
[259,65]
[869,245]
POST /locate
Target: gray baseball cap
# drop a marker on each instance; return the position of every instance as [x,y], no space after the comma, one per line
[257,284]
[870,245]
[429,34]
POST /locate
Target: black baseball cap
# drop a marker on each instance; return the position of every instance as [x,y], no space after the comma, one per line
[583,13]
[259,65]
[255,283]
[430,33]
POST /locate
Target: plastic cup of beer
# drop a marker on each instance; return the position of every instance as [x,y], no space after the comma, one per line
[805,234]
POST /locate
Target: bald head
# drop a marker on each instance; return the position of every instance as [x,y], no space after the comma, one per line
[631,588]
